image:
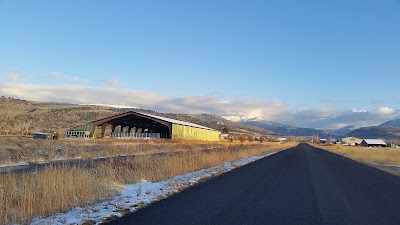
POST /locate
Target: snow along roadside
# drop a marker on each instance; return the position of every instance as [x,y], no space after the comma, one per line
[21,163]
[137,195]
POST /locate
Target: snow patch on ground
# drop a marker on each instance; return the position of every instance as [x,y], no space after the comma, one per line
[22,163]
[41,161]
[387,165]
[393,165]
[138,195]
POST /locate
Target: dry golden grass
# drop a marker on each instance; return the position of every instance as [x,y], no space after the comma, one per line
[155,168]
[387,156]
[23,196]
[13,150]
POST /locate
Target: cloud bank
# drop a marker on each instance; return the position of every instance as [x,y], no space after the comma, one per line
[214,104]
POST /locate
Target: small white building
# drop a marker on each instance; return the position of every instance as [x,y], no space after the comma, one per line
[373,143]
[224,136]
[282,139]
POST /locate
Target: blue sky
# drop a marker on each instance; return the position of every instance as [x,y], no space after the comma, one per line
[320,64]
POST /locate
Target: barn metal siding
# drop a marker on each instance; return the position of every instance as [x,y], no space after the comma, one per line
[84,130]
[193,133]
[84,127]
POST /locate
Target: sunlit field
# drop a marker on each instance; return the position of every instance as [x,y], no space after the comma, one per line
[13,150]
[386,156]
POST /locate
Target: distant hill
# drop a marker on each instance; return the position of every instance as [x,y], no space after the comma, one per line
[391,123]
[21,117]
[381,132]
[389,130]
[286,130]
[217,122]
[341,132]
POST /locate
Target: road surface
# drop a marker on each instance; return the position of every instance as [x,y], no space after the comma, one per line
[302,185]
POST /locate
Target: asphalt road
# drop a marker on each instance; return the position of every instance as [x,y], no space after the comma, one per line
[302,185]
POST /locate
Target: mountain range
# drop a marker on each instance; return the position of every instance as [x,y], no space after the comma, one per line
[21,117]
[391,123]
[389,130]
[285,130]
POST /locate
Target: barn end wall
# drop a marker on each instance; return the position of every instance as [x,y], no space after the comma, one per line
[193,133]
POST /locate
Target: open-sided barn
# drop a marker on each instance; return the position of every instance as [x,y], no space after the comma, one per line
[373,143]
[132,125]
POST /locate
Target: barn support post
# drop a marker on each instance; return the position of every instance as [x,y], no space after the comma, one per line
[129,130]
[112,128]
[103,129]
[170,131]
[96,132]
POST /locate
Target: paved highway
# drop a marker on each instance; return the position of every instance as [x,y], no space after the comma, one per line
[302,185]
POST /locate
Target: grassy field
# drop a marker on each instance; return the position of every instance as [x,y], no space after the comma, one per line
[14,150]
[23,196]
[384,156]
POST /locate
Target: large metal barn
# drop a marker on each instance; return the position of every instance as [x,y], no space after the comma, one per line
[135,125]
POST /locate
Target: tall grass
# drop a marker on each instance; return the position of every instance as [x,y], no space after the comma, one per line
[23,196]
[386,156]
[16,150]
[154,168]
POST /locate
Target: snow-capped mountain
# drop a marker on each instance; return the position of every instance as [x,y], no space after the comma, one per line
[237,118]
[391,123]
[285,130]
[341,132]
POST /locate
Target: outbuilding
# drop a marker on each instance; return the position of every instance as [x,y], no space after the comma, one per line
[353,141]
[42,135]
[282,139]
[373,143]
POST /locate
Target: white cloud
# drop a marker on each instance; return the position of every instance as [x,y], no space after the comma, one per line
[81,94]
[112,80]
[273,110]
[385,110]
[358,110]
